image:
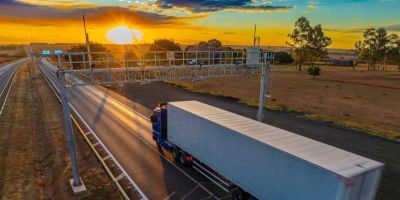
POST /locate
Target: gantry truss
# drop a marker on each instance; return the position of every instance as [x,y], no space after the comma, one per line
[144,67]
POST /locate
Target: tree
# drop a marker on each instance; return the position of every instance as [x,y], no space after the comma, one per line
[211,45]
[187,48]
[299,38]
[394,50]
[374,48]
[94,47]
[214,43]
[283,57]
[164,45]
[318,44]
[203,43]
[382,46]
[310,43]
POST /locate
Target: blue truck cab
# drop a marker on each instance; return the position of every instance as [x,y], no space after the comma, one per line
[159,125]
[160,135]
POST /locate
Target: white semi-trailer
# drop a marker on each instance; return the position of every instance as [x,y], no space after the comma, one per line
[255,160]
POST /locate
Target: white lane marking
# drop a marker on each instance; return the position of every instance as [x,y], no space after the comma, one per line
[144,197]
[218,178]
[8,92]
[8,66]
[139,137]
[215,182]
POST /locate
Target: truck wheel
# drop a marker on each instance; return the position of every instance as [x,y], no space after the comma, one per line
[238,194]
[175,154]
[183,158]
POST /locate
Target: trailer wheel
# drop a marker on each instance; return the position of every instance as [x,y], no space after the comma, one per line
[238,194]
[175,154]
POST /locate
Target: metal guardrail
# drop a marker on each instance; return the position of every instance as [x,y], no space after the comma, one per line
[94,143]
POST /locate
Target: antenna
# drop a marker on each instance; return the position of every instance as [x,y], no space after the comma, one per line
[254,35]
[256,39]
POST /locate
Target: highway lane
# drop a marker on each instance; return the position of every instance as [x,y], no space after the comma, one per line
[127,135]
[7,73]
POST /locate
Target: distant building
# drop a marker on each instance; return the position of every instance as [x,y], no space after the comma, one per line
[341,59]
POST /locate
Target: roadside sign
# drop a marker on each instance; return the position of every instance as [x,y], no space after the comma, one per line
[58,52]
[46,52]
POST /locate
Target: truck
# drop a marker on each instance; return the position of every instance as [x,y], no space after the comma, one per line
[253,160]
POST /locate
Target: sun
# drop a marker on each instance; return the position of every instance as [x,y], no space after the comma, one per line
[124,35]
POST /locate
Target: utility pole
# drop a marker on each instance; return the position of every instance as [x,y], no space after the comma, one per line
[87,41]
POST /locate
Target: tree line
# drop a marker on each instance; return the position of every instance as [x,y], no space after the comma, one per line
[379,49]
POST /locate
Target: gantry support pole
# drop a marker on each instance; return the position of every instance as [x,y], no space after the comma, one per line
[263,91]
[76,182]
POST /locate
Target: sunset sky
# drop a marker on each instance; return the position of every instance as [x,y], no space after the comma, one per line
[189,21]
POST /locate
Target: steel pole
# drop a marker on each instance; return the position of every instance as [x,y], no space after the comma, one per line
[263,91]
[69,130]
[68,126]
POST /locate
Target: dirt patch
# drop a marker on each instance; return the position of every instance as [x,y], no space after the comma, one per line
[361,99]
[4,61]
[34,161]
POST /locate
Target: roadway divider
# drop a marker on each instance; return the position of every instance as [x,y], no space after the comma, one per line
[123,182]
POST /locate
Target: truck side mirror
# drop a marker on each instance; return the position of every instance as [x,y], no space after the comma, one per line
[153,118]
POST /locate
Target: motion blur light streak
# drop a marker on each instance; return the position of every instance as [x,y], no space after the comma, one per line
[124,35]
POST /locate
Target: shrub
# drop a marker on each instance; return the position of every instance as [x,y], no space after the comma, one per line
[314,71]
[283,57]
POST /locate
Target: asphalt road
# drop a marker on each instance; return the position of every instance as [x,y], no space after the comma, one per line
[7,73]
[127,135]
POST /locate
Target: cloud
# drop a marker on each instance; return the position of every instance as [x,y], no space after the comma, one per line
[199,6]
[12,12]
[312,4]
[390,28]
[229,33]
[393,27]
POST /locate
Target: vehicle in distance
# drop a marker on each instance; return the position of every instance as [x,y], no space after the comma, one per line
[258,161]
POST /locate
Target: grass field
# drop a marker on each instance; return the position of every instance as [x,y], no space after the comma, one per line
[366,100]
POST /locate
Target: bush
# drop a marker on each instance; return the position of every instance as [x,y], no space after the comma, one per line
[314,71]
[283,57]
